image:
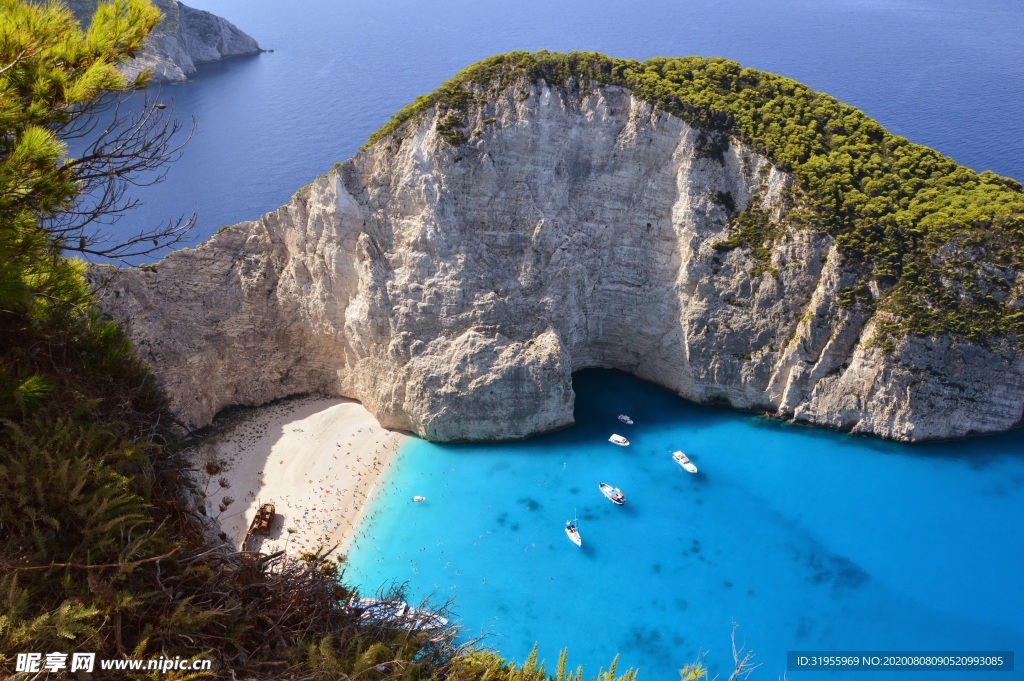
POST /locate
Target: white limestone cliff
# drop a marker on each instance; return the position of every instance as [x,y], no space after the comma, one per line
[454,290]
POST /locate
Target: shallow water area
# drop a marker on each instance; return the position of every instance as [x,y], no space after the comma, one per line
[807,539]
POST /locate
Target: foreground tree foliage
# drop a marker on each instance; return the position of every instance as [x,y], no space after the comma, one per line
[105,547]
[60,84]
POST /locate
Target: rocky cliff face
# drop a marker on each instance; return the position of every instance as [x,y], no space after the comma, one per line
[184,38]
[453,290]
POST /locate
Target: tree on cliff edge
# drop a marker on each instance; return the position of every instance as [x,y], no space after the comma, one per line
[60,83]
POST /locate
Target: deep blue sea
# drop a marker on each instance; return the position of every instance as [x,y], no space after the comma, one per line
[808,540]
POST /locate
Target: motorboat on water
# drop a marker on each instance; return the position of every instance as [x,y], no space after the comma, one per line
[418,498]
[399,614]
[681,459]
[612,494]
[573,533]
[625,419]
[617,439]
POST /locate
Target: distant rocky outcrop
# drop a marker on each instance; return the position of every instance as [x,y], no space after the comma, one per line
[184,38]
[453,286]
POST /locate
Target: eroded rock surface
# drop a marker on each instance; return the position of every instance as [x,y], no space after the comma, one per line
[453,290]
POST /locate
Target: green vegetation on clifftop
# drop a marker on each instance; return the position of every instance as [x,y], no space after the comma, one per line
[943,243]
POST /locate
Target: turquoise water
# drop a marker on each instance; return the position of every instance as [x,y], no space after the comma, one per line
[807,539]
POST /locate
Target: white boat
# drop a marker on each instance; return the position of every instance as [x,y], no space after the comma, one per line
[398,614]
[687,465]
[617,439]
[418,498]
[573,533]
[613,494]
[625,419]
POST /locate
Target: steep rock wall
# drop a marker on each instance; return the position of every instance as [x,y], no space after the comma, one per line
[453,291]
[198,37]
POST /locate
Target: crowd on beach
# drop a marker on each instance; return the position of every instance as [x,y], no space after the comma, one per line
[318,462]
[331,510]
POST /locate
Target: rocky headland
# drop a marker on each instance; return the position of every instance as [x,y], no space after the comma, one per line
[532,219]
[184,38]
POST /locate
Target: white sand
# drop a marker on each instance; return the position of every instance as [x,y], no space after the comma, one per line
[317,459]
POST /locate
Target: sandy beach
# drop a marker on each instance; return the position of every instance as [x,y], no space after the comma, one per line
[319,460]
